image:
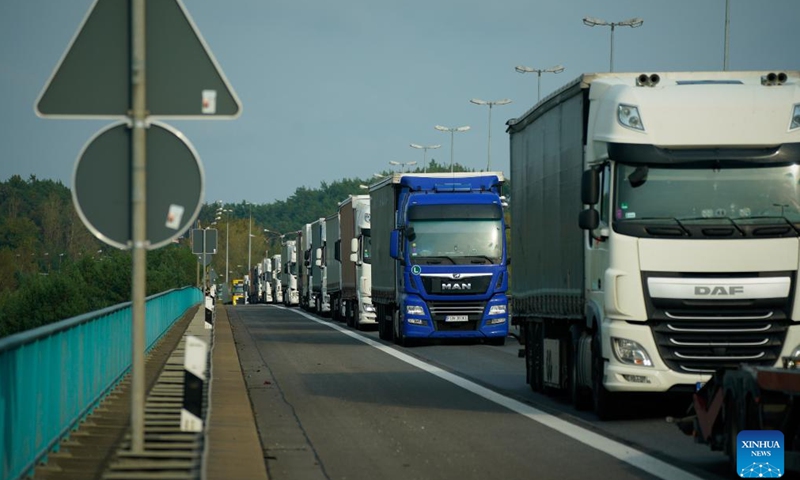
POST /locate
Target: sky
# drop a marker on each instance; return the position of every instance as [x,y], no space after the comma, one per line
[333,90]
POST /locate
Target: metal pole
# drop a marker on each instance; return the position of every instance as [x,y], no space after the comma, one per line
[205,278]
[227,247]
[424,160]
[452,134]
[727,26]
[611,63]
[138,217]
[249,248]
[489,155]
[538,86]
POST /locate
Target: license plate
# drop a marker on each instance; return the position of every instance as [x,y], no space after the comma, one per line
[456,318]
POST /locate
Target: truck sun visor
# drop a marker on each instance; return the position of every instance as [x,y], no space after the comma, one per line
[472,212]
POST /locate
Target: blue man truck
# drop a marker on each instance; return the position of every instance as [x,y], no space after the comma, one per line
[439,259]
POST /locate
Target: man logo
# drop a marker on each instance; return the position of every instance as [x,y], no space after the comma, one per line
[456,286]
[718,290]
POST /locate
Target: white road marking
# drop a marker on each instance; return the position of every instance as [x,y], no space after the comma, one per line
[629,455]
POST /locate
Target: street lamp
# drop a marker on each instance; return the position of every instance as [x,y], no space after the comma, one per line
[631,22]
[539,72]
[424,149]
[452,131]
[727,26]
[492,103]
[403,164]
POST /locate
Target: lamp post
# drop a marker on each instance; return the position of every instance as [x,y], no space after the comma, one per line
[452,131]
[490,103]
[631,22]
[402,164]
[539,71]
[424,149]
[727,26]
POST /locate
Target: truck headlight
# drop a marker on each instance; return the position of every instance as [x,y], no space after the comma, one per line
[369,308]
[628,115]
[415,310]
[630,352]
[795,124]
[499,309]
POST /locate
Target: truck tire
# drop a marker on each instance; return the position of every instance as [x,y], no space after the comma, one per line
[581,399]
[603,401]
[399,338]
[384,325]
[534,357]
[348,313]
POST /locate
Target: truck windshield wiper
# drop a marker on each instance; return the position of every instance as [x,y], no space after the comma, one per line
[774,217]
[674,219]
[435,259]
[480,259]
[733,221]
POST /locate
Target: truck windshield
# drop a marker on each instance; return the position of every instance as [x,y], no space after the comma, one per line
[452,241]
[763,194]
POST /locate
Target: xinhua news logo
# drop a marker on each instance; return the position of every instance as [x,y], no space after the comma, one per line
[759,454]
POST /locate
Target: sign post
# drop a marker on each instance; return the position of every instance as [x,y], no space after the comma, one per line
[137,60]
[138,212]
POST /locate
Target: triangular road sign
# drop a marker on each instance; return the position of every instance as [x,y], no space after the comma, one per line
[92,80]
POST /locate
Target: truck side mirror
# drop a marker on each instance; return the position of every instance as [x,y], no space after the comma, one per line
[394,244]
[337,247]
[318,256]
[590,187]
[354,250]
[589,219]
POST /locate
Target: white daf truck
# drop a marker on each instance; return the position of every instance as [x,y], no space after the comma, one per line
[656,230]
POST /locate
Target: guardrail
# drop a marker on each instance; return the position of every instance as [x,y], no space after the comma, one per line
[53,376]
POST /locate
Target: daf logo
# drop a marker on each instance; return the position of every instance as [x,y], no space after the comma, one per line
[456,286]
[718,290]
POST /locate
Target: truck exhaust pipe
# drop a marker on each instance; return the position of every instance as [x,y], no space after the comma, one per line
[645,80]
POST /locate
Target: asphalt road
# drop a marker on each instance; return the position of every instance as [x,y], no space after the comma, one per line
[332,403]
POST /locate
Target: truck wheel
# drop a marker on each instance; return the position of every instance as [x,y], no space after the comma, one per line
[399,338]
[602,399]
[581,400]
[534,355]
[384,325]
[348,313]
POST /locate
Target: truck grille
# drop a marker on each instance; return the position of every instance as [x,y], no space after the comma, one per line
[704,346]
[441,310]
[699,335]
[448,286]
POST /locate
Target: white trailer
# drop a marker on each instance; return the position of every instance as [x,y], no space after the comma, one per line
[333,267]
[354,254]
[684,258]
[274,285]
[291,295]
[319,280]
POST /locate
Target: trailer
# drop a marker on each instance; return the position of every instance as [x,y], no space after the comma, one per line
[748,399]
[656,231]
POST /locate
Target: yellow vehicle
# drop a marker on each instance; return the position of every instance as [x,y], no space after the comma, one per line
[238,292]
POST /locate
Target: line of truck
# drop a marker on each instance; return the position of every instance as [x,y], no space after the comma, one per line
[655,234]
[423,256]
[656,237]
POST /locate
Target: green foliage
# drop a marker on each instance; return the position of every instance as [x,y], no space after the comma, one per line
[52,268]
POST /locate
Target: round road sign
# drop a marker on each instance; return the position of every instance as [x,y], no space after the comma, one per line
[101,189]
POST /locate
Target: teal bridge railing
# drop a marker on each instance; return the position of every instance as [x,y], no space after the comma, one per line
[53,376]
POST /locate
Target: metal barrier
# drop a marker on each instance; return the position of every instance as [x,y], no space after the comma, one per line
[53,376]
